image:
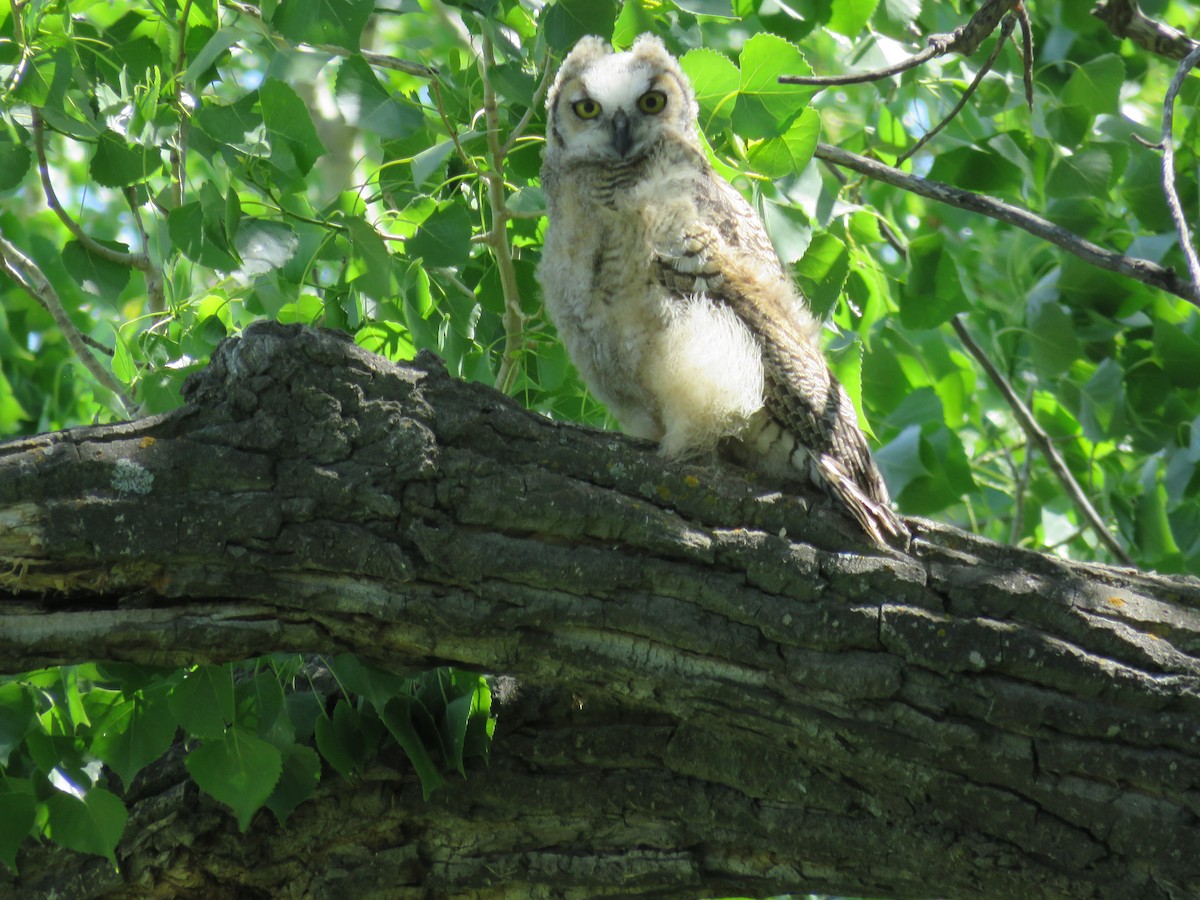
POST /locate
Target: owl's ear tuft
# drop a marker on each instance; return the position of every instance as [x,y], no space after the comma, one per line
[586,51]
[650,47]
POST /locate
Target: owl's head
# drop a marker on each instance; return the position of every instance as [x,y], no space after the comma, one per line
[610,107]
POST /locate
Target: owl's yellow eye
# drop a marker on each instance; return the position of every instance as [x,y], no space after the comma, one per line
[652,102]
[586,109]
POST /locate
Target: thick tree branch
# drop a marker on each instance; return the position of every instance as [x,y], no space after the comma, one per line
[725,691]
[1142,270]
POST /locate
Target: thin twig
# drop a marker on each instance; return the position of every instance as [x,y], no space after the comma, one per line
[89,243]
[538,94]
[1006,29]
[964,40]
[1026,51]
[936,47]
[380,60]
[1021,480]
[513,318]
[1038,436]
[29,277]
[1168,164]
[452,129]
[180,150]
[1142,270]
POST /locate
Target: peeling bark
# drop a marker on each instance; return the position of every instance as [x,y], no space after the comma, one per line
[723,689]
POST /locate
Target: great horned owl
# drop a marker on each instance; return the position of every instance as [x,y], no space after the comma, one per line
[668,294]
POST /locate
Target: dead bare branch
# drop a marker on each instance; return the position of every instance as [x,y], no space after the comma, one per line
[1126,20]
[1037,436]
[1168,164]
[964,40]
[1142,270]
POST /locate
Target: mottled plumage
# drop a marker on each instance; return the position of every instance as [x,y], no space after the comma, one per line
[668,294]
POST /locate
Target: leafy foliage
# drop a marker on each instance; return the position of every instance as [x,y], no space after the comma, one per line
[218,166]
[249,731]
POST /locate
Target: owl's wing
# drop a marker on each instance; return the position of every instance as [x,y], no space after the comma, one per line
[725,254]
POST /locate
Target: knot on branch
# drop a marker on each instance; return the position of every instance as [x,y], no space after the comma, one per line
[299,392]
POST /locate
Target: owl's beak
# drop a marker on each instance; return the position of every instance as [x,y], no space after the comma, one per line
[622,140]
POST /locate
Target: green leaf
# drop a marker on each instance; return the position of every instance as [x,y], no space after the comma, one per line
[376,685]
[567,21]
[927,468]
[238,125]
[337,22]
[340,740]
[718,9]
[214,48]
[16,819]
[260,709]
[900,460]
[238,769]
[1179,354]
[16,717]
[367,104]
[119,164]
[91,825]
[1101,396]
[203,702]
[1155,539]
[264,245]
[397,716]
[123,365]
[97,275]
[1096,85]
[15,157]
[200,238]
[444,240]
[1086,174]
[765,108]
[788,155]
[716,81]
[297,781]
[932,292]
[971,168]
[1053,345]
[851,16]
[371,259]
[140,731]
[822,272]
[295,144]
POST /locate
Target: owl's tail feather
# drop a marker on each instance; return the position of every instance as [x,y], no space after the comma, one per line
[872,513]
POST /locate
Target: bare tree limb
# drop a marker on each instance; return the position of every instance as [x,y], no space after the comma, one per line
[964,40]
[1037,435]
[1142,270]
[1126,20]
[1168,164]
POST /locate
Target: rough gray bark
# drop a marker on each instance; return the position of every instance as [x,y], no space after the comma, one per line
[724,689]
